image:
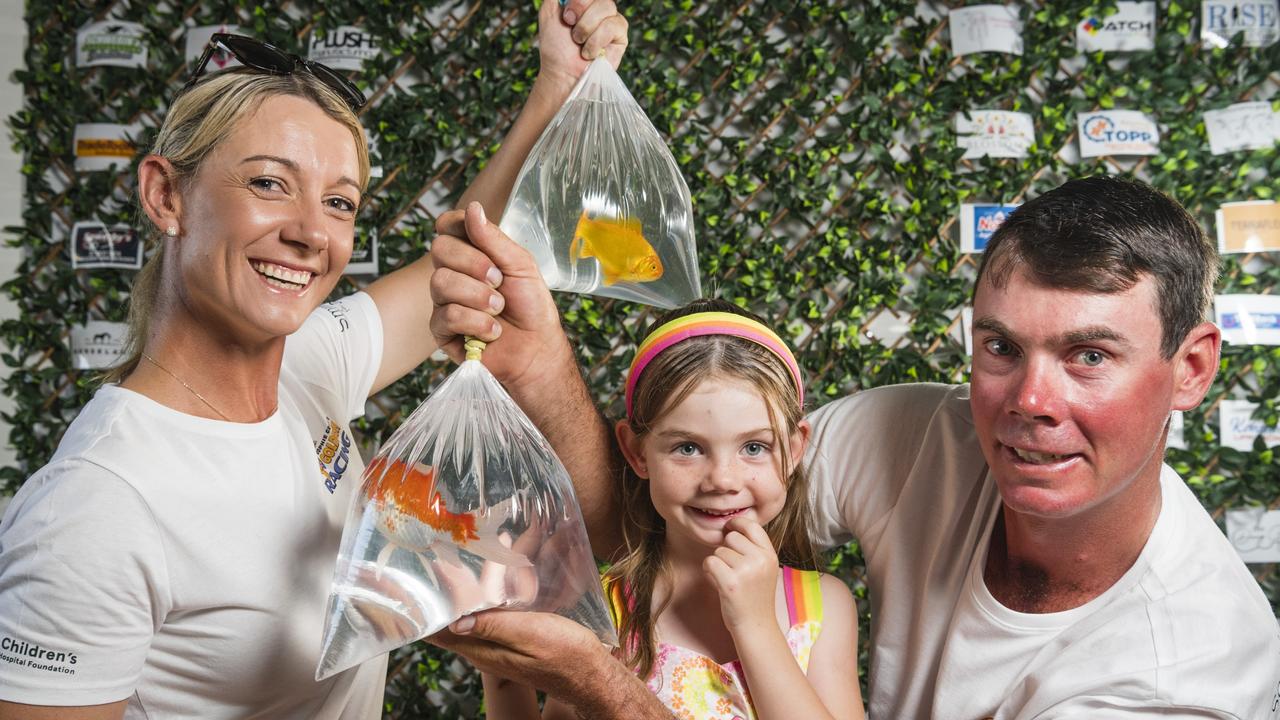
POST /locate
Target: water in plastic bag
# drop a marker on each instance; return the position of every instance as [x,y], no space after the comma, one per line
[601,204]
[466,508]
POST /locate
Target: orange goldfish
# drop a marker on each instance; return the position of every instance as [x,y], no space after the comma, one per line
[413,515]
[619,245]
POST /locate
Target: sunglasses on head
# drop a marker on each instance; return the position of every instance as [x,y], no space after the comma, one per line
[269,58]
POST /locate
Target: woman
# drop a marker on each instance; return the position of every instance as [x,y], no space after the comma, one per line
[174,557]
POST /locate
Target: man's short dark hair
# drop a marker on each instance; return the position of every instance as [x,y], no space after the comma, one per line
[1102,235]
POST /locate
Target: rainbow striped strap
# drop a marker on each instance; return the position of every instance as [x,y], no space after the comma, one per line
[804,595]
[710,323]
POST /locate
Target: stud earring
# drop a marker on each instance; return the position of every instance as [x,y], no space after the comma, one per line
[171,231]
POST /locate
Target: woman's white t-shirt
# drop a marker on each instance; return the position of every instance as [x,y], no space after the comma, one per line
[185,563]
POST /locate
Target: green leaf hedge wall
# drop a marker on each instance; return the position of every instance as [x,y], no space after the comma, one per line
[817,138]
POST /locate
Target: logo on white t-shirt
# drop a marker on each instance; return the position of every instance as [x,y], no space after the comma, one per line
[24,654]
[334,453]
[339,312]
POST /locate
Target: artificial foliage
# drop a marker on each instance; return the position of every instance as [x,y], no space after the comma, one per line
[817,139]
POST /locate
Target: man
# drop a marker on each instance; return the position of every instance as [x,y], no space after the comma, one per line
[1028,552]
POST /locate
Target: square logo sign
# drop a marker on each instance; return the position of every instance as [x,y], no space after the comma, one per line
[112,43]
[97,344]
[1237,428]
[978,222]
[343,48]
[1132,27]
[995,133]
[103,146]
[1255,534]
[985,28]
[364,256]
[1221,20]
[1242,126]
[1248,227]
[1118,132]
[94,245]
[1248,319]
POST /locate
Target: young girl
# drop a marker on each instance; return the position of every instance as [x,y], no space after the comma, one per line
[715,499]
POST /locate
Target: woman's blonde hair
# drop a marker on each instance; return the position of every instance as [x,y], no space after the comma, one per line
[667,380]
[198,121]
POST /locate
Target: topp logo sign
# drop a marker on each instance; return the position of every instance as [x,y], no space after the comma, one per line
[1118,132]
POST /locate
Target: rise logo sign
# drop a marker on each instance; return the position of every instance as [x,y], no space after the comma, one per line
[1259,21]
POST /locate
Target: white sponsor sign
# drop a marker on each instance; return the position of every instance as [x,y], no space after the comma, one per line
[1248,227]
[985,28]
[94,245]
[364,258]
[1255,534]
[995,133]
[343,48]
[97,344]
[966,325]
[1237,429]
[198,39]
[1243,126]
[112,42]
[1248,319]
[1220,20]
[1117,132]
[102,146]
[1132,27]
[978,222]
[1176,438]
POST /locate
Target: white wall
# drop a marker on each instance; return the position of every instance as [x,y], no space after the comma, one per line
[13,41]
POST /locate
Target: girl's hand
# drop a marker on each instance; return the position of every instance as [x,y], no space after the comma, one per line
[744,571]
[571,35]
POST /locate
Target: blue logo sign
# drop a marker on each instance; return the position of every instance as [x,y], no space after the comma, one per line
[986,220]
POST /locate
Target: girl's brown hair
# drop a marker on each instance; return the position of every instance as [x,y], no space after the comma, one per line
[667,380]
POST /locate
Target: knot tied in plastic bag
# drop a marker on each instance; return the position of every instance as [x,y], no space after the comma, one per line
[466,508]
[600,202]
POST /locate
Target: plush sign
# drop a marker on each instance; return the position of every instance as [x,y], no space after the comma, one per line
[343,48]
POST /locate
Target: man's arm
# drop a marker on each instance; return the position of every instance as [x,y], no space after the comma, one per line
[555,655]
[569,38]
[582,28]
[528,352]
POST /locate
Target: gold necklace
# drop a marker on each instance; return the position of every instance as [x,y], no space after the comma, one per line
[188,387]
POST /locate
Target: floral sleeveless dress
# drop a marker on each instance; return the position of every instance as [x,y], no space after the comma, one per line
[695,687]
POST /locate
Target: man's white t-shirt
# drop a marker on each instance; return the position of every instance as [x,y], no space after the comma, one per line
[185,563]
[1185,633]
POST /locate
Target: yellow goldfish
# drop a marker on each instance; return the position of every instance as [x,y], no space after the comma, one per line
[619,245]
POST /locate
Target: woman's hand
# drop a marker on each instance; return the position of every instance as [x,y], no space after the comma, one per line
[570,36]
[744,571]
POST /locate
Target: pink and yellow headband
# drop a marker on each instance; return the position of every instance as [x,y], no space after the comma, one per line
[710,323]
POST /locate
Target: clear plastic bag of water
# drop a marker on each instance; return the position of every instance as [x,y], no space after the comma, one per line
[601,204]
[465,508]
